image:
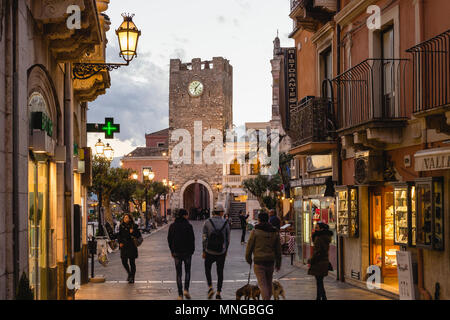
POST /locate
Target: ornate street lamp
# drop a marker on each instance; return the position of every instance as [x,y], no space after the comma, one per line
[135,176]
[128,35]
[109,152]
[99,148]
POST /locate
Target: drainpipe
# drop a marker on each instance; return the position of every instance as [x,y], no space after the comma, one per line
[340,273]
[68,173]
[15,147]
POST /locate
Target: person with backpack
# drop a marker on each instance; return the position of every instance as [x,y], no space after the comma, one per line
[216,240]
[181,241]
[243,218]
[265,247]
[129,238]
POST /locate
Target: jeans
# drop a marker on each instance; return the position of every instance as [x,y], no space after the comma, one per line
[220,264]
[131,269]
[321,295]
[264,275]
[244,231]
[187,272]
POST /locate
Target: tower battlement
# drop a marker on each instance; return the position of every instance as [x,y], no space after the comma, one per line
[217,63]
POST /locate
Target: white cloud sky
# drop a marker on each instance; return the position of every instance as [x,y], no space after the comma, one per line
[241,31]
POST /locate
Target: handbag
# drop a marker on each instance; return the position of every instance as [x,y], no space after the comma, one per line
[137,241]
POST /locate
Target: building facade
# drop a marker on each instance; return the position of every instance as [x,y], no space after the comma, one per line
[374,122]
[154,157]
[44,159]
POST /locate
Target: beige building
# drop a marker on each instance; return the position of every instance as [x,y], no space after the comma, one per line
[44,159]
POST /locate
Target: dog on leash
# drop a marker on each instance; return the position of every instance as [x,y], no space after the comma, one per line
[248,292]
[277,290]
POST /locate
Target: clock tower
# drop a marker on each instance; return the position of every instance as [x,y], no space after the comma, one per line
[199,91]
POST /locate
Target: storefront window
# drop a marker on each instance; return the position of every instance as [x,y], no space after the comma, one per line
[306,222]
[424,208]
[348,214]
[38,227]
[401,215]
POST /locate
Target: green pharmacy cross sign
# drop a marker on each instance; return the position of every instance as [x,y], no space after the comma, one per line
[109,128]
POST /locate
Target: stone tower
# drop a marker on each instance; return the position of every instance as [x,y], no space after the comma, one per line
[199,91]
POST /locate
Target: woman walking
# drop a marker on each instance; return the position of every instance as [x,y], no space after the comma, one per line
[319,262]
[128,231]
[181,241]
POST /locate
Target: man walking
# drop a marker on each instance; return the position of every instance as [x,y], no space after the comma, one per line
[216,240]
[264,244]
[181,241]
[243,218]
[274,220]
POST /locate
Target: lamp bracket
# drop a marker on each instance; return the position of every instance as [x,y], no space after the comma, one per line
[83,71]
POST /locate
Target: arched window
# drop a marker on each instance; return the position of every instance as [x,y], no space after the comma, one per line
[235,168]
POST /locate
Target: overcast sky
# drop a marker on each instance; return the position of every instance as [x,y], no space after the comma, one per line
[241,31]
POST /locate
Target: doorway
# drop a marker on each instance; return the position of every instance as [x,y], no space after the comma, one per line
[383,250]
[196,198]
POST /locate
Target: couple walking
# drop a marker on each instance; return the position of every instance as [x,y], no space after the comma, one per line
[216,240]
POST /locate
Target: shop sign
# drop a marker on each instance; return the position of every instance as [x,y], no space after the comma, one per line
[405,276]
[290,56]
[434,159]
[310,182]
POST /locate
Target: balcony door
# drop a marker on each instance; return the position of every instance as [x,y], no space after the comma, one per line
[388,74]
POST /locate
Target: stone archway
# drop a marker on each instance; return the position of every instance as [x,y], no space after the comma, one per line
[187,187]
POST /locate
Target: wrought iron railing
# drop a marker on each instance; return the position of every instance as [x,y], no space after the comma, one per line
[431,69]
[372,90]
[312,121]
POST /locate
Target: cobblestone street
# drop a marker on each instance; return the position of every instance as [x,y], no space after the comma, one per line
[155,277]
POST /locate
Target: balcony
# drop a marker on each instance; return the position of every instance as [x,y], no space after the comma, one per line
[372,101]
[310,14]
[235,181]
[431,84]
[313,127]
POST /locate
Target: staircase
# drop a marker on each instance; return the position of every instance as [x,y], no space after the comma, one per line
[235,208]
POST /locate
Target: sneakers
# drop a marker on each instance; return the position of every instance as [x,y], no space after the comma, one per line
[218,296]
[187,295]
[210,293]
[180,297]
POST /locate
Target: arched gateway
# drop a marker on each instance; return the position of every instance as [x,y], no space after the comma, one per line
[196,194]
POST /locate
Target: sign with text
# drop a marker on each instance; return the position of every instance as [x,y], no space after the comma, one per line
[290,59]
[432,159]
[405,275]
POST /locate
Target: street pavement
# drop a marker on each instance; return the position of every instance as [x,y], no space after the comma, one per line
[155,276]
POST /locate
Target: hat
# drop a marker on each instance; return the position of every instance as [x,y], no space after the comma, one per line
[218,208]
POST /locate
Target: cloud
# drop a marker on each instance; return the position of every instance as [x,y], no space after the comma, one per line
[137,99]
[221,19]
[178,53]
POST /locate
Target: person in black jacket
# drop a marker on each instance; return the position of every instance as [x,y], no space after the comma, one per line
[243,218]
[181,241]
[128,250]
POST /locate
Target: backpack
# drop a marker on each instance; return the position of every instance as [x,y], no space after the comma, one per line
[216,239]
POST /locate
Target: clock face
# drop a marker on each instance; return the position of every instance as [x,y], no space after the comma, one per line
[196,88]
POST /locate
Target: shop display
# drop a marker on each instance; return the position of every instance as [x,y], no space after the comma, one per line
[404,214]
[429,211]
[348,217]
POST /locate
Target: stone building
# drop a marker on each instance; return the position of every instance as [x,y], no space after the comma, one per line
[44,159]
[201,95]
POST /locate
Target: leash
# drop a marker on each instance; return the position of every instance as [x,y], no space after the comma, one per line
[249,273]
